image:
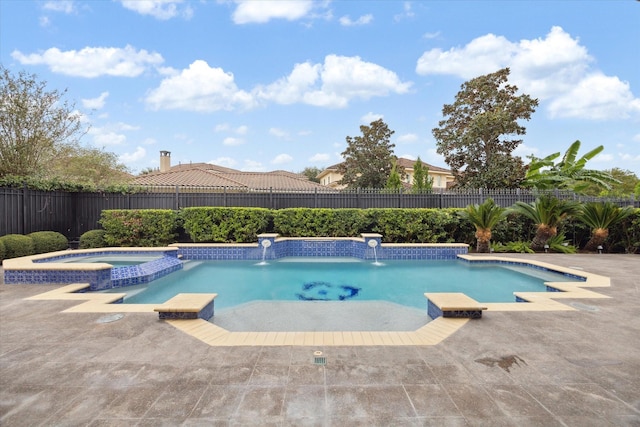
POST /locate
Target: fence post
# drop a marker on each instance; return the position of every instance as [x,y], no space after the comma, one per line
[271,197]
[315,197]
[25,210]
[176,204]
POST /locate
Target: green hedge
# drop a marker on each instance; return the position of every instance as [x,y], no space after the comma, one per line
[241,225]
[92,239]
[17,245]
[139,227]
[48,241]
[3,251]
[301,222]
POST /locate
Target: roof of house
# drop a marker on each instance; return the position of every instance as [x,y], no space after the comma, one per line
[208,175]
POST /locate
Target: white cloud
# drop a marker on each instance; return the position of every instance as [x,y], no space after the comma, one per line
[280,133]
[139,154]
[407,138]
[407,12]
[103,138]
[226,127]
[334,83]
[282,159]
[433,35]
[199,88]
[95,103]
[252,166]
[555,68]
[346,21]
[524,150]
[64,6]
[149,141]
[603,158]
[320,158]
[597,97]
[233,142]
[370,117]
[249,11]
[93,61]
[224,161]
[159,9]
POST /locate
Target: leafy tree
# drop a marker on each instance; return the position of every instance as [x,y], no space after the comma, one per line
[625,187]
[33,123]
[368,158]
[547,212]
[422,182]
[87,166]
[570,173]
[312,173]
[484,217]
[394,182]
[477,134]
[600,217]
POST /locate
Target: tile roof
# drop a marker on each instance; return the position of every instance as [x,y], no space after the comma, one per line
[207,175]
[405,163]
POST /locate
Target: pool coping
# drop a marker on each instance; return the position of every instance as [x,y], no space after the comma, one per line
[432,333]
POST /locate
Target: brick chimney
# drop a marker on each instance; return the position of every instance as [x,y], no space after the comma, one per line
[165,161]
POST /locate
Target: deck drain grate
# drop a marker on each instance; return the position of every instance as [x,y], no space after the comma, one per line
[318,358]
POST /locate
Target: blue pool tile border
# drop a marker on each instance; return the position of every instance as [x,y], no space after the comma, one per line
[525,264]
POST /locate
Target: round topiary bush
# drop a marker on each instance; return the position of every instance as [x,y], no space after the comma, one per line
[3,251]
[17,245]
[48,241]
[92,239]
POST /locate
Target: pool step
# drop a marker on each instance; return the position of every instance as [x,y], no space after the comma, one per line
[187,306]
[453,304]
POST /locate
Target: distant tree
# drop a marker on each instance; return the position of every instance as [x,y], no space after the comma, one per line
[312,173]
[570,173]
[34,123]
[422,182]
[368,158]
[625,187]
[87,166]
[147,171]
[394,182]
[476,134]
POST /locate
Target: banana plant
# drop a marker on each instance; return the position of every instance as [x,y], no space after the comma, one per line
[570,173]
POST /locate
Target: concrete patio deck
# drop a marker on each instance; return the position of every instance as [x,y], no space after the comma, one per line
[564,368]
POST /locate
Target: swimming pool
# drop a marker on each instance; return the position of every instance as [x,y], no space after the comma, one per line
[344,279]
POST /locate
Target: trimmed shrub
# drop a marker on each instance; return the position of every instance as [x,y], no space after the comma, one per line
[139,227]
[92,239]
[48,241]
[3,251]
[302,222]
[17,245]
[213,224]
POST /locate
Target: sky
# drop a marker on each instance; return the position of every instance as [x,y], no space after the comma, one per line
[279,85]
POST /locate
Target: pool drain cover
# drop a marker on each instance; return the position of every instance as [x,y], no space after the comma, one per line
[110,318]
[318,358]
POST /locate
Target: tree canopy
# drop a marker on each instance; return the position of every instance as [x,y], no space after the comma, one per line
[40,135]
[477,135]
[422,182]
[368,158]
[312,172]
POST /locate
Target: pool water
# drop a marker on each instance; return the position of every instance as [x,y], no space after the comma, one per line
[294,279]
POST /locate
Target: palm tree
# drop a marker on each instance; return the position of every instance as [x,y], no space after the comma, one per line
[547,212]
[484,217]
[600,217]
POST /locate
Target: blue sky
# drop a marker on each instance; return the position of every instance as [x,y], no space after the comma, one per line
[266,85]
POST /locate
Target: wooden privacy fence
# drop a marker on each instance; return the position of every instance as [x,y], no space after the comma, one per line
[23,210]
